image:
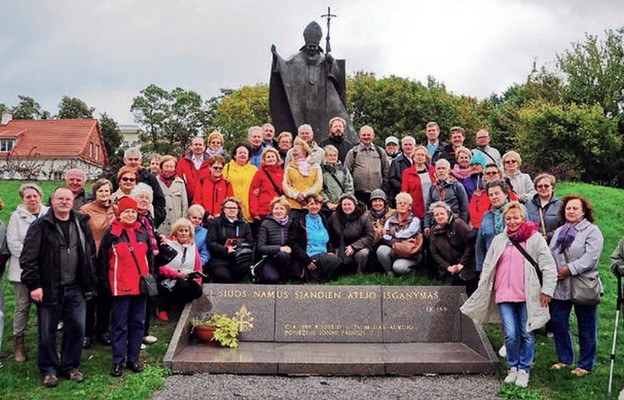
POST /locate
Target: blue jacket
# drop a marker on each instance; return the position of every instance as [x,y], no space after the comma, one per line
[200,241]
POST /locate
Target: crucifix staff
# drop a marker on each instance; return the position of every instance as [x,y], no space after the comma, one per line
[329,16]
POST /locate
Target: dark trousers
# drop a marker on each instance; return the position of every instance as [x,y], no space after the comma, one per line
[70,308]
[183,291]
[587,319]
[128,319]
[327,265]
[98,314]
[226,270]
[276,268]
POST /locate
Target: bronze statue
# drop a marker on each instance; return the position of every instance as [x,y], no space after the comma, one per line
[308,88]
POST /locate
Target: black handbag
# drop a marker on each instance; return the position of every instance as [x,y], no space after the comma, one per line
[147,283]
[165,255]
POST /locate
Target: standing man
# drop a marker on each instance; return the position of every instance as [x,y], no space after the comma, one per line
[255,139]
[58,267]
[402,162]
[457,141]
[269,136]
[447,190]
[392,148]
[483,146]
[434,146]
[132,159]
[307,135]
[193,165]
[337,127]
[75,180]
[368,164]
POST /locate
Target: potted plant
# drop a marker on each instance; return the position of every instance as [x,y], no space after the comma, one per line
[216,327]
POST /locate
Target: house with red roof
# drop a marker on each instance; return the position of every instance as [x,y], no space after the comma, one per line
[45,149]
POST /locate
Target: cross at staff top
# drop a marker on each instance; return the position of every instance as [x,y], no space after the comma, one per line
[329,16]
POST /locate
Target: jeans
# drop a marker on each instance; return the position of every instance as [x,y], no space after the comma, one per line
[587,318]
[127,328]
[70,308]
[519,342]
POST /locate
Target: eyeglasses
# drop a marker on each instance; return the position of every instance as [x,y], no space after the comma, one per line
[217,168]
[128,179]
[490,173]
[512,161]
[545,186]
[230,208]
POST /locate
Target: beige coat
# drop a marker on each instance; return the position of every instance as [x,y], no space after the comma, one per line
[482,307]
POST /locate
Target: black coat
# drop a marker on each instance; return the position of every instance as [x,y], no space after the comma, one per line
[397,166]
[453,244]
[40,257]
[356,229]
[298,238]
[343,146]
[272,236]
[221,229]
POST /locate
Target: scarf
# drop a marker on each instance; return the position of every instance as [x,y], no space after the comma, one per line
[566,237]
[461,173]
[526,230]
[150,230]
[281,221]
[499,224]
[167,177]
[379,214]
[304,166]
[212,152]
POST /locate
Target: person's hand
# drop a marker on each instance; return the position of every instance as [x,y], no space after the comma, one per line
[163,239]
[300,197]
[426,231]
[312,266]
[286,249]
[451,269]
[37,295]
[563,273]
[459,267]
[349,251]
[331,206]
[230,249]
[544,300]
[182,275]
[256,192]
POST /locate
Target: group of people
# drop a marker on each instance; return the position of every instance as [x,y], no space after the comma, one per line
[282,209]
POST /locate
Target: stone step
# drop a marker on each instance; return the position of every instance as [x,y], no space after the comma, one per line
[333,359]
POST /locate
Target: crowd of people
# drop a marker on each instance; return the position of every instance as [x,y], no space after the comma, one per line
[288,209]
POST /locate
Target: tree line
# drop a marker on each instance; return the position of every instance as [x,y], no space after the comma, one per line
[568,120]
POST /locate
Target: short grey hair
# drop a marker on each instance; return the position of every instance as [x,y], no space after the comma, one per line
[29,185]
[408,139]
[404,196]
[305,127]
[268,125]
[142,188]
[367,127]
[81,172]
[441,204]
[252,129]
[443,161]
[132,150]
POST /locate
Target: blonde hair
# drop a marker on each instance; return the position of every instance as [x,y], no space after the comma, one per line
[514,206]
[280,200]
[182,223]
[196,209]
[216,134]
[304,146]
[464,150]
[513,155]
[423,148]
[274,151]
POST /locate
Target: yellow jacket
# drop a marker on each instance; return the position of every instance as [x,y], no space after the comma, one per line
[240,178]
[295,183]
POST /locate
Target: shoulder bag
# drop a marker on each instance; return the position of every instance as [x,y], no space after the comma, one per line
[408,248]
[585,288]
[529,259]
[147,283]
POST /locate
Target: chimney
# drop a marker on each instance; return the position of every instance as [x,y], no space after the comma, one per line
[6,117]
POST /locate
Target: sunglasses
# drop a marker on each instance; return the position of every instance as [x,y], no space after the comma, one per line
[217,168]
[128,179]
[490,173]
[511,161]
[546,186]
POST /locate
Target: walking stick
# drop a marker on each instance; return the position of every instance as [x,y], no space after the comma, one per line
[615,330]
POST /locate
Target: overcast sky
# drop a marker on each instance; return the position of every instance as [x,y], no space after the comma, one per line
[105,52]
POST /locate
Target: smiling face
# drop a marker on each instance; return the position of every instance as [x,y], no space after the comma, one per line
[463,160]
[306,135]
[183,235]
[216,170]
[127,182]
[285,143]
[62,201]
[347,206]
[169,166]
[574,211]
[337,128]
[513,220]
[230,209]
[378,204]
[279,211]
[544,189]
[510,164]
[133,160]
[128,216]
[490,174]
[440,215]
[75,181]
[366,136]
[215,144]
[269,133]
[143,201]
[241,156]
[313,206]
[408,148]
[457,139]
[403,206]
[420,157]
[255,138]
[198,146]
[270,158]
[195,218]
[331,157]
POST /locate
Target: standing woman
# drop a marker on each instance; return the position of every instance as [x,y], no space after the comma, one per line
[102,216]
[576,247]
[511,291]
[266,184]
[544,206]
[128,179]
[273,243]
[174,189]
[417,179]
[284,143]
[302,176]
[4,256]
[462,171]
[24,215]
[213,189]
[215,144]
[125,255]
[337,180]
[240,173]
[520,182]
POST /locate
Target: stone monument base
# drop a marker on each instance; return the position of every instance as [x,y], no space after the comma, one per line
[336,330]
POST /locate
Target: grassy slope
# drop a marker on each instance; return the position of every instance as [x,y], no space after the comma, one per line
[19,381]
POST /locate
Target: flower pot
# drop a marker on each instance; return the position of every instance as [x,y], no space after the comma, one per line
[205,333]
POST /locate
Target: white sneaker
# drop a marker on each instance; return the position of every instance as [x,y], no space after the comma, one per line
[143,346]
[621,396]
[150,339]
[523,379]
[512,375]
[502,351]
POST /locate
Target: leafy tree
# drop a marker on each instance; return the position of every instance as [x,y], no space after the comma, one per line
[573,142]
[112,141]
[170,119]
[594,72]
[74,108]
[28,108]
[235,111]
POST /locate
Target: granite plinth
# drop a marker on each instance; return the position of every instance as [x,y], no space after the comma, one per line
[336,330]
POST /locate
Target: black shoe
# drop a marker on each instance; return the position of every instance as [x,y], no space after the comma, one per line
[134,366]
[86,342]
[116,371]
[104,339]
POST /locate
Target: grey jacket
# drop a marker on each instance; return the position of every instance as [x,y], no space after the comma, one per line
[176,203]
[482,307]
[581,258]
[550,213]
[332,174]
[522,185]
[368,168]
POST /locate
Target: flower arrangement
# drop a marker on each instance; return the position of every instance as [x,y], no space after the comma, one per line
[224,329]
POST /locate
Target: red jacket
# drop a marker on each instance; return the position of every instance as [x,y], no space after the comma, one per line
[259,205]
[186,170]
[210,194]
[118,263]
[480,204]
[410,183]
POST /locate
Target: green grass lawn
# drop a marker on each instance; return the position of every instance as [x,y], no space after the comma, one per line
[23,381]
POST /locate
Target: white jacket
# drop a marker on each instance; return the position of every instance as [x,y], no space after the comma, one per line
[16,232]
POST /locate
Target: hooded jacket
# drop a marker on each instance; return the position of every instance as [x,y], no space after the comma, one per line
[189,174]
[259,205]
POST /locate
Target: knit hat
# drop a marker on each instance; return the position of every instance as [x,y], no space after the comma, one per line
[125,204]
[478,158]
[378,194]
[392,139]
